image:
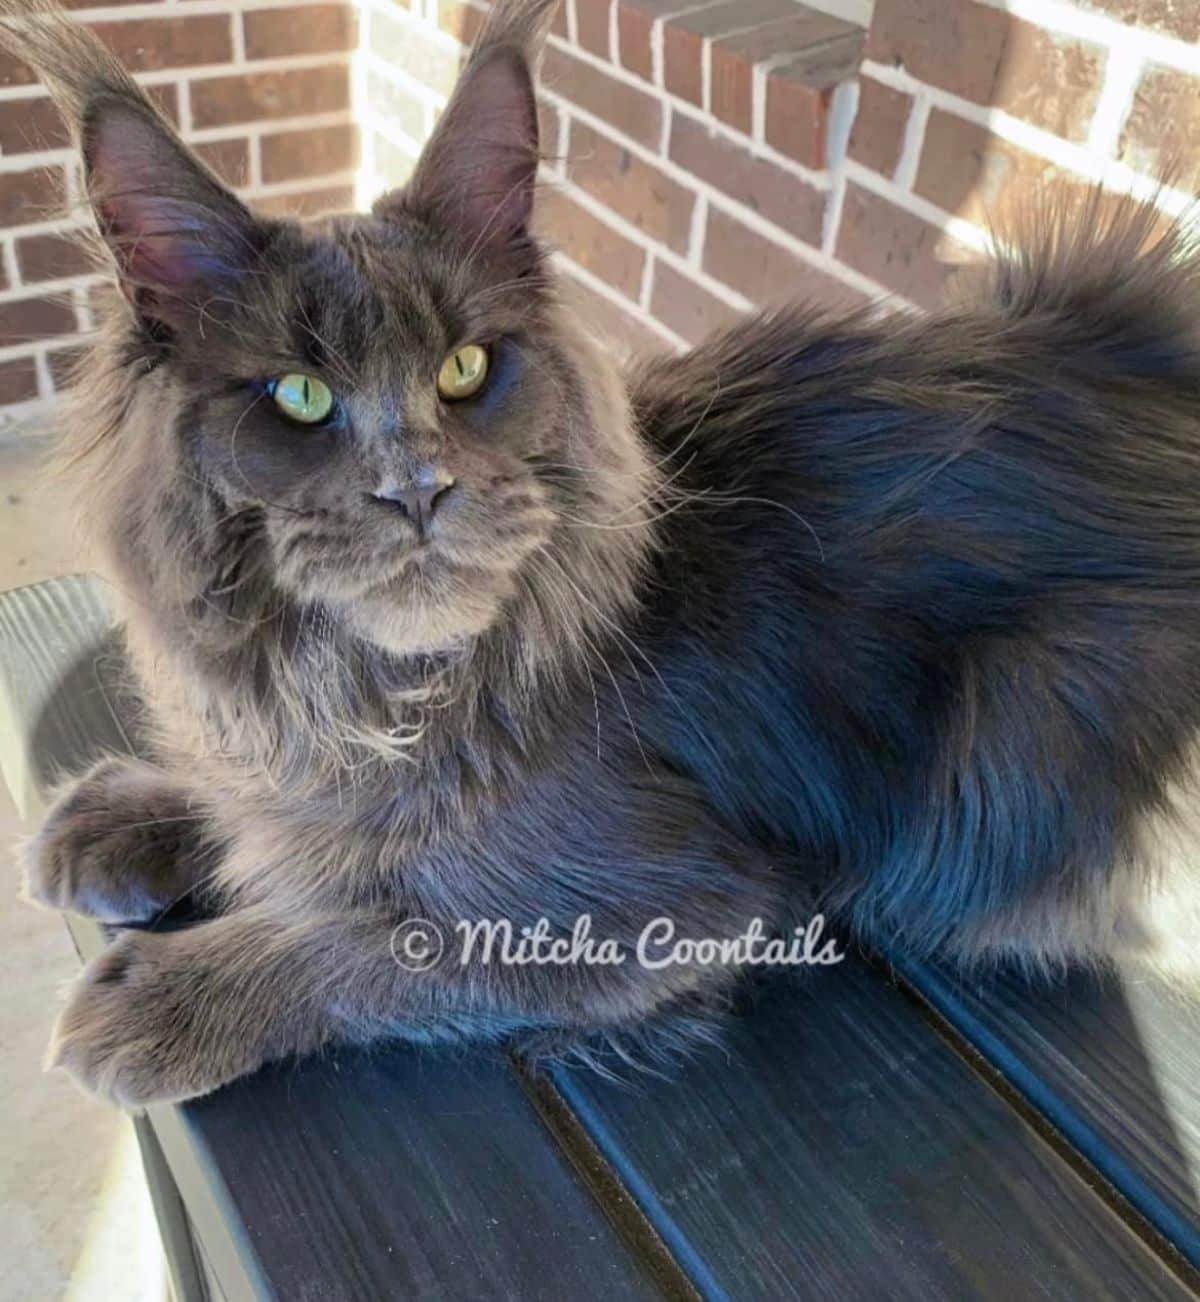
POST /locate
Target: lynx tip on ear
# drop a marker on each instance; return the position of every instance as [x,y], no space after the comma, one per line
[518,24]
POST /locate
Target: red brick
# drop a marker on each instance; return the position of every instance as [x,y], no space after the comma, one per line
[1172,17]
[18,381]
[27,125]
[970,172]
[316,29]
[220,101]
[13,72]
[776,194]
[954,44]
[636,190]
[631,111]
[24,320]
[760,269]
[591,26]
[684,37]
[311,151]
[731,89]
[893,247]
[797,121]
[230,159]
[877,136]
[31,196]
[591,243]
[151,44]
[634,26]
[683,71]
[1163,127]
[1050,80]
[302,204]
[814,37]
[52,257]
[685,306]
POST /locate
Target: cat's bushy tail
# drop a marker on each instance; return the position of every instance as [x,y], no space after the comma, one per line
[1117,274]
[1101,293]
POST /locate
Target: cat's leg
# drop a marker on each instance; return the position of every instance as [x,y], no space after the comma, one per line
[122,844]
[172,1015]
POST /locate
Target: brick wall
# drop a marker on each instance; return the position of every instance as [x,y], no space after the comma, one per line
[262,89]
[709,155]
[705,155]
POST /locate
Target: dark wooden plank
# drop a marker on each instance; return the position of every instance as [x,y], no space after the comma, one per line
[349,1178]
[1113,1065]
[842,1150]
[398,1175]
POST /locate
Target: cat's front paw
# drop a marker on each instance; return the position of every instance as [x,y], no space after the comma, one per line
[137,1027]
[119,846]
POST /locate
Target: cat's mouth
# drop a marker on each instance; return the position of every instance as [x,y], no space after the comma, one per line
[346,563]
[416,562]
[463,559]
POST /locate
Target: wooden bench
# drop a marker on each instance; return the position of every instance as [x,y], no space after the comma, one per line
[867,1132]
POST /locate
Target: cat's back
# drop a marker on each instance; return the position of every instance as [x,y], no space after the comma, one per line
[919,572]
[1041,431]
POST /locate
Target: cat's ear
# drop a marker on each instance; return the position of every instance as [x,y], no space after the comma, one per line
[476,175]
[176,234]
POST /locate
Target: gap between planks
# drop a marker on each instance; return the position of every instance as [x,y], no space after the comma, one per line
[995,1080]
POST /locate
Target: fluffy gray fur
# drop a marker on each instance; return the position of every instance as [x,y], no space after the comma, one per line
[578,690]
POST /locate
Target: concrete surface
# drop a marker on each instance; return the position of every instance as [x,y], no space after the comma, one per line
[75,1219]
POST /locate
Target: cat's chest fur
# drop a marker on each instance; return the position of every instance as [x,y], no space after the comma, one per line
[357,789]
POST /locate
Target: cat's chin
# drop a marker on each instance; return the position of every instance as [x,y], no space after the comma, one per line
[390,619]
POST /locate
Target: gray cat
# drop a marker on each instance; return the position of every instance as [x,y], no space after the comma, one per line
[441,619]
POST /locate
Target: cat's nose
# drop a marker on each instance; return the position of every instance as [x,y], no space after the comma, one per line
[419,497]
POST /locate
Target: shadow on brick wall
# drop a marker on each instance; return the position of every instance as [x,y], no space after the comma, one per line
[994,61]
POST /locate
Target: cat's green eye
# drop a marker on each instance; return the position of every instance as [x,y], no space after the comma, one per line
[463,373]
[302,398]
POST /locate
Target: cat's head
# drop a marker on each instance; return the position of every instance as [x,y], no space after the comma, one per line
[394,409]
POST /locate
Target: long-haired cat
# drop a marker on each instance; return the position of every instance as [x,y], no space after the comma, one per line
[442,619]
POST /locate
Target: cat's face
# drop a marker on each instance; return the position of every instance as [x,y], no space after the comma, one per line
[396,404]
[414,503]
